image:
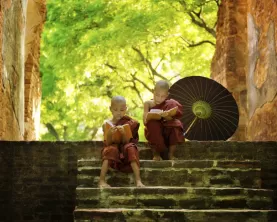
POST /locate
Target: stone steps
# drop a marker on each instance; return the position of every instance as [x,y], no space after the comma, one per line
[217,150]
[210,181]
[168,215]
[196,150]
[201,173]
[184,163]
[174,198]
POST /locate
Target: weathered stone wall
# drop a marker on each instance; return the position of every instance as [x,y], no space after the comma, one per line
[245,62]
[230,59]
[36,13]
[1,64]
[38,179]
[262,70]
[21,24]
[12,70]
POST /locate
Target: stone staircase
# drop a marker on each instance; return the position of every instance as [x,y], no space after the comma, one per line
[223,188]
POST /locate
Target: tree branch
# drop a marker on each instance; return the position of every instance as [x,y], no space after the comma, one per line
[201,23]
[159,62]
[114,68]
[193,44]
[174,77]
[141,82]
[65,135]
[134,86]
[208,1]
[52,131]
[148,63]
[86,84]
[93,132]
[217,2]
[136,105]
[196,17]
[134,78]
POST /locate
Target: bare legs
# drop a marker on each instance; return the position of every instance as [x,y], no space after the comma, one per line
[136,172]
[171,152]
[156,156]
[172,148]
[104,170]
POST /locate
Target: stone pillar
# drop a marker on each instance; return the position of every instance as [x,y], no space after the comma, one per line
[1,68]
[262,70]
[230,59]
[21,23]
[12,26]
[36,12]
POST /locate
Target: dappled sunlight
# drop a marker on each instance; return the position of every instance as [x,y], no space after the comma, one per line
[91,52]
[69,90]
[36,117]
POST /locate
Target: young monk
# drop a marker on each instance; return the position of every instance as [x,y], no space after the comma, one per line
[122,156]
[167,132]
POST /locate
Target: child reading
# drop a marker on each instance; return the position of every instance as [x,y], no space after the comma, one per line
[166,130]
[120,138]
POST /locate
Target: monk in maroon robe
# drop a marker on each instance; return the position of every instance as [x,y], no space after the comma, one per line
[168,131]
[120,155]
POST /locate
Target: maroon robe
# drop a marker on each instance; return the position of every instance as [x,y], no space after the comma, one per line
[121,155]
[162,134]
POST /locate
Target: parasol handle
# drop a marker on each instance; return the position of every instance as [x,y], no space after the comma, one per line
[191,125]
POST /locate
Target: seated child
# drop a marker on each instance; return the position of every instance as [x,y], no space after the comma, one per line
[168,131]
[120,155]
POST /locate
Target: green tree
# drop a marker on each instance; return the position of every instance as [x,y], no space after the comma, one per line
[92,50]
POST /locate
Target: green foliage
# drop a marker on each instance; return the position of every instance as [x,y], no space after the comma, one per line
[95,49]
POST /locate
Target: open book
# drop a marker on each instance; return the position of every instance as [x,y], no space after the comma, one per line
[117,137]
[155,114]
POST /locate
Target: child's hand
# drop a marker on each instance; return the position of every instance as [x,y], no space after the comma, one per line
[112,130]
[164,114]
[121,130]
[168,118]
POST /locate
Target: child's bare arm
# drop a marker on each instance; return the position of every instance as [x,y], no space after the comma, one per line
[146,107]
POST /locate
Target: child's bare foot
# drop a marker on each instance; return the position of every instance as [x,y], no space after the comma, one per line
[103,184]
[172,149]
[140,184]
[157,158]
[171,157]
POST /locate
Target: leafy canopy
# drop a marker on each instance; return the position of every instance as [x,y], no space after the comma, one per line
[92,50]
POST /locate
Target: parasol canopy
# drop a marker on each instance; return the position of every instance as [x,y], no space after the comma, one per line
[210,110]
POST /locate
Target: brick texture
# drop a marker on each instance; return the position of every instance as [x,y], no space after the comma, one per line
[230,59]
[38,179]
[245,63]
[20,83]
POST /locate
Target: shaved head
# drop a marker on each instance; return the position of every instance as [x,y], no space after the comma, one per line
[162,85]
[160,91]
[118,99]
[118,107]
